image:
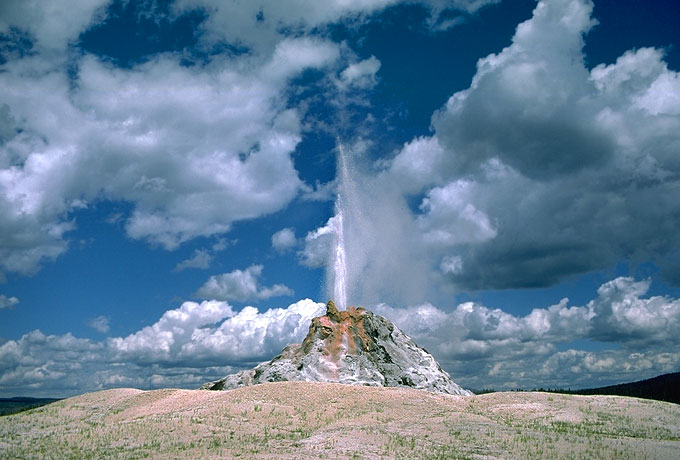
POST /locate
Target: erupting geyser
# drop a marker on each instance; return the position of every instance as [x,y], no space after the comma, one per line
[340,261]
[338,269]
[349,345]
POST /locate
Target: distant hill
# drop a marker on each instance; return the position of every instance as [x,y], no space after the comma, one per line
[13,405]
[662,388]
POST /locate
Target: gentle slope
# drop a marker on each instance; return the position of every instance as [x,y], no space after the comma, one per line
[297,420]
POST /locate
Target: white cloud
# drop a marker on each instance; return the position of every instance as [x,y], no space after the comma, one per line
[259,25]
[292,55]
[417,165]
[284,240]
[100,323]
[449,218]
[253,336]
[481,347]
[201,258]
[489,347]
[185,119]
[241,286]
[468,5]
[37,362]
[318,192]
[193,149]
[620,313]
[185,348]
[51,24]
[361,74]
[542,169]
[163,340]
[451,264]
[8,302]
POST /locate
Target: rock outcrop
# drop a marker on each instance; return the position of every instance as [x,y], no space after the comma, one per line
[354,347]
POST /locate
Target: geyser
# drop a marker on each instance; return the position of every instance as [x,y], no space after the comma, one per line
[346,196]
[375,253]
[340,261]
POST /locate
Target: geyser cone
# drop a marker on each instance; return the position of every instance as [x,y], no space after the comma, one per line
[354,347]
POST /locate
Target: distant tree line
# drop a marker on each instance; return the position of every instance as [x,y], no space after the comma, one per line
[9,406]
[662,388]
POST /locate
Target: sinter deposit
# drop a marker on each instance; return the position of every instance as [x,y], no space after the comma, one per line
[355,347]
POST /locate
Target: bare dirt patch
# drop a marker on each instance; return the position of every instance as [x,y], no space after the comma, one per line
[297,420]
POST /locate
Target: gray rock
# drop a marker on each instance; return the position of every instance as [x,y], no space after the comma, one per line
[354,347]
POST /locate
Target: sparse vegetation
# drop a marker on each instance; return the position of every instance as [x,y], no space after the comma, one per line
[295,420]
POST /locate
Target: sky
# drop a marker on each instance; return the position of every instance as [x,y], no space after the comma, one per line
[171,186]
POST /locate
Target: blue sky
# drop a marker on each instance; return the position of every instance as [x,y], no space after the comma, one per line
[168,185]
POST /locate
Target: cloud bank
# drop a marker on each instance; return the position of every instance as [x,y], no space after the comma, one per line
[491,348]
[481,347]
[185,347]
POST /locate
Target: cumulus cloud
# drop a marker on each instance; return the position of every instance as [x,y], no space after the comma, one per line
[284,240]
[251,336]
[63,365]
[449,218]
[542,168]
[620,313]
[8,302]
[192,148]
[186,347]
[241,286]
[163,340]
[100,324]
[481,347]
[494,348]
[212,334]
[43,362]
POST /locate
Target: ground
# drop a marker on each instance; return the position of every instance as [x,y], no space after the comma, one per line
[298,420]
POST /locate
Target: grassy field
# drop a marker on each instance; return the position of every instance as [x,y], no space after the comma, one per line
[295,420]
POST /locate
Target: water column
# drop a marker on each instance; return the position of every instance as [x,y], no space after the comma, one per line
[339,250]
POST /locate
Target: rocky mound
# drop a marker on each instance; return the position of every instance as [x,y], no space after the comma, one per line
[354,347]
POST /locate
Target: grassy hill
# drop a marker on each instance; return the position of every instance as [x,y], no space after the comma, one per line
[297,420]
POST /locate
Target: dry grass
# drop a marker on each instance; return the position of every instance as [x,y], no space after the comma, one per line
[294,420]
